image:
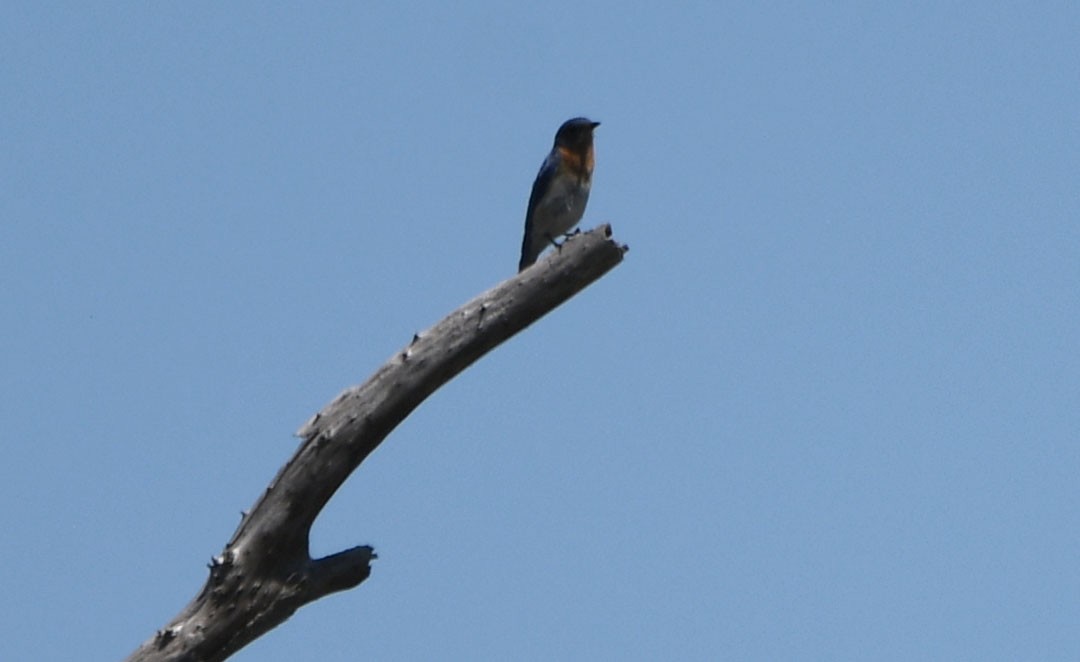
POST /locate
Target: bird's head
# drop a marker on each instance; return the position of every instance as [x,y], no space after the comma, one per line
[576,134]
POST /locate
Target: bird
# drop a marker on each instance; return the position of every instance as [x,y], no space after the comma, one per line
[561,189]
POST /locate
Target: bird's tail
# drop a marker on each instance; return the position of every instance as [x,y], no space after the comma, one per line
[528,252]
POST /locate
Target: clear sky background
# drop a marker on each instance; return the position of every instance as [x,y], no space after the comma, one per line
[827,408]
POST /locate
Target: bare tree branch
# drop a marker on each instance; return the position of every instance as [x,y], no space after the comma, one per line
[265,572]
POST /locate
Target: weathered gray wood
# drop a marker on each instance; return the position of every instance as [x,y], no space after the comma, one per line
[265,573]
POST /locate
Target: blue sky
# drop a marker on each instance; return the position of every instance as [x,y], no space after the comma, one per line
[826,408]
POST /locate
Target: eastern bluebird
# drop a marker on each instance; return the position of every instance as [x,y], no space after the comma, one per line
[561,189]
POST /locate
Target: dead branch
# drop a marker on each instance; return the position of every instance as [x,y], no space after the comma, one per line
[265,573]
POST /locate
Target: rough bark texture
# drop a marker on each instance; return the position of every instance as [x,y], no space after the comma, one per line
[265,573]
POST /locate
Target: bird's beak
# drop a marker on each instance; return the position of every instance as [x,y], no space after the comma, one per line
[595,124]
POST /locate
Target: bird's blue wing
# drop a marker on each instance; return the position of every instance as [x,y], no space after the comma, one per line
[532,244]
[540,188]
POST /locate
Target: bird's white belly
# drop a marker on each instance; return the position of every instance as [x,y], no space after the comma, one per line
[565,207]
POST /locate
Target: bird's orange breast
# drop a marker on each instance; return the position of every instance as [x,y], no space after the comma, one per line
[581,164]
